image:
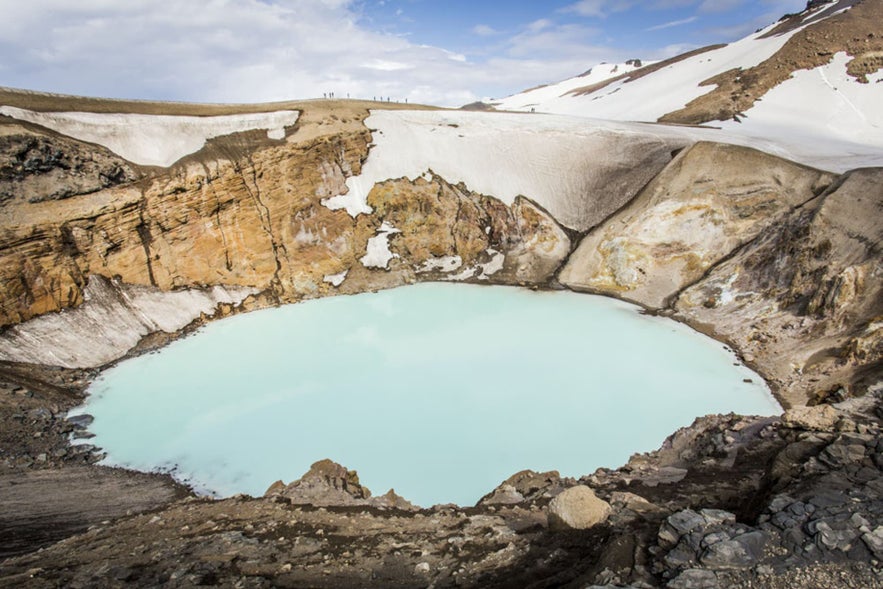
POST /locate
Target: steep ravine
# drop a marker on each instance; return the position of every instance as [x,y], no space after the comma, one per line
[779,260]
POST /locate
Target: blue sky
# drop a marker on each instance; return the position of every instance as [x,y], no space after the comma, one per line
[446,53]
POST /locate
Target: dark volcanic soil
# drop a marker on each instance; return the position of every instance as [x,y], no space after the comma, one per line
[729,502]
[50,490]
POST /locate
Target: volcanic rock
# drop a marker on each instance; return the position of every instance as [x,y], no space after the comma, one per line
[577,508]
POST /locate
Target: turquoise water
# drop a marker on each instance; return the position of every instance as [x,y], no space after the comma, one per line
[441,391]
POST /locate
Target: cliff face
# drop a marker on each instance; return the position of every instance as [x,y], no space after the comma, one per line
[781,260]
[233,217]
[804,300]
[778,259]
[247,215]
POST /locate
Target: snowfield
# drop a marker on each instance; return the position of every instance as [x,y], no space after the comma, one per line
[153,140]
[525,101]
[825,115]
[561,163]
[567,165]
[666,90]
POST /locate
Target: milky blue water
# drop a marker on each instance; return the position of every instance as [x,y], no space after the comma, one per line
[441,391]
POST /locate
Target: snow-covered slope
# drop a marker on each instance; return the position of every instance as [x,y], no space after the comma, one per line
[538,97]
[568,165]
[649,97]
[580,170]
[825,111]
[153,140]
[809,87]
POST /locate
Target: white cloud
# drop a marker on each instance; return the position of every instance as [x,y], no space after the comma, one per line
[261,50]
[220,50]
[674,23]
[387,66]
[598,8]
[484,31]
[539,25]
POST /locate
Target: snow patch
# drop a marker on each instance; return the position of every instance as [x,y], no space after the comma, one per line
[110,322]
[153,140]
[354,203]
[465,274]
[495,264]
[335,280]
[378,254]
[536,98]
[443,264]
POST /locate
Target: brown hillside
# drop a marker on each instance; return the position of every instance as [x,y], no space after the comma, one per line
[858,32]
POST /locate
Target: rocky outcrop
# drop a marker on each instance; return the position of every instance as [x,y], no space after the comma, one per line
[526,485]
[804,300]
[780,260]
[328,483]
[577,508]
[36,165]
[447,231]
[709,201]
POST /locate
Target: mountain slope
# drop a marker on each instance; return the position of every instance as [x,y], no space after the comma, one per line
[529,99]
[813,78]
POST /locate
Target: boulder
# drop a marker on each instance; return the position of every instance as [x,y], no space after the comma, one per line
[577,508]
[874,541]
[679,524]
[741,552]
[695,579]
[326,483]
[526,485]
[818,418]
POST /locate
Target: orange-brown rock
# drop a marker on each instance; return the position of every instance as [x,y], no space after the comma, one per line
[438,220]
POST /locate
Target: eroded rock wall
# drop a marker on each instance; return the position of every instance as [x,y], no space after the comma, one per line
[253,221]
[780,260]
[710,200]
[805,300]
[253,216]
[239,219]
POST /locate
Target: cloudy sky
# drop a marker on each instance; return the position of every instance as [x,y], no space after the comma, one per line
[447,52]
